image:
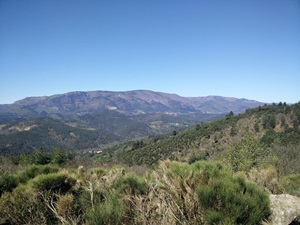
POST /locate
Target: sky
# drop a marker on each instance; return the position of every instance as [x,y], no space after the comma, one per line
[232,48]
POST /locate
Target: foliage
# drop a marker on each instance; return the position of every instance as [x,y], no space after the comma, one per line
[266,177]
[291,184]
[49,134]
[41,157]
[248,153]
[289,159]
[201,156]
[53,181]
[35,201]
[107,212]
[23,206]
[7,183]
[201,192]
[216,137]
[35,170]
[197,193]
[231,199]
[131,184]
[268,121]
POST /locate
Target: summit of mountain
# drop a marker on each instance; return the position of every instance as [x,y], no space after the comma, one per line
[127,102]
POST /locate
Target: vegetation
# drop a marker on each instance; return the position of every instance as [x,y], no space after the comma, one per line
[88,131]
[291,184]
[48,134]
[219,172]
[267,132]
[198,193]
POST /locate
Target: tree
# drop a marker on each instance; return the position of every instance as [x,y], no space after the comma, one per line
[269,122]
[40,156]
[58,156]
[70,154]
[248,153]
[229,115]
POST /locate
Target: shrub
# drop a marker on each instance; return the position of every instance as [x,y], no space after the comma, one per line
[22,206]
[179,169]
[40,157]
[291,184]
[53,182]
[64,205]
[232,199]
[35,170]
[201,156]
[266,178]
[58,156]
[247,154]
[131,184]
[7,183]
[107,212]
[289,159]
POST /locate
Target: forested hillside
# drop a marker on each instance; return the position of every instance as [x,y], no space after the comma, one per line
[88,132]
[273,128]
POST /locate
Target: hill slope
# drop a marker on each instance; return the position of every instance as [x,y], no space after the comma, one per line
[272,125]
[90,131]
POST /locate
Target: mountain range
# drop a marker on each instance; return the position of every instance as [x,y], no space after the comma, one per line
[88,120]
[129,103]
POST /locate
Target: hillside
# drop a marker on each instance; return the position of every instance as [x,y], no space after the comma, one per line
[274,126]
[91,120]
[90,131]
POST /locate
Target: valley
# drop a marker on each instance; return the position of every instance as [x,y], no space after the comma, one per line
[90,120]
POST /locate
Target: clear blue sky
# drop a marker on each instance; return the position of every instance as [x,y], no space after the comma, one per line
[244,49]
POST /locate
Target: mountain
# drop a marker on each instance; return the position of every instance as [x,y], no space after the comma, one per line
[90,120]
[129,103]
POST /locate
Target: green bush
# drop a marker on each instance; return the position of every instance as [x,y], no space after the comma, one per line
[58,156]
[23,206]
[248,153]
[107,212]
[291,184]
[35,170]
[98,172]
[179,169]
[40,157]
[232,199]
[289,159]
[53,182]
[7,183]
[131,184]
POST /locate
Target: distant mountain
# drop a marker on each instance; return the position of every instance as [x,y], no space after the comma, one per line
[129,103]
[90,120]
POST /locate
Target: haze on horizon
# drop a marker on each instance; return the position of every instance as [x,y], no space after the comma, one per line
[242,49]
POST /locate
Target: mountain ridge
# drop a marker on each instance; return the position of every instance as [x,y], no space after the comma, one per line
[89,120]
[128,102]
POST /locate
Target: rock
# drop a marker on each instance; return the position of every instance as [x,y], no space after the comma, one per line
[285,209]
